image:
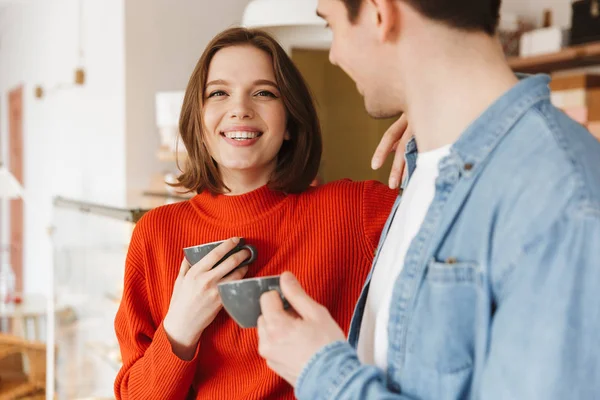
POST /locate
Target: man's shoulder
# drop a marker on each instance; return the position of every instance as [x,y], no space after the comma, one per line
[546,167]
[547,154]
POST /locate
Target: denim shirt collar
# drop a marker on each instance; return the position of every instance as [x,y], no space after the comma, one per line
[482,136]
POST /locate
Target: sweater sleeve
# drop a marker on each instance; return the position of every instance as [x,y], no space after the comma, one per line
[377,202]
[150,368]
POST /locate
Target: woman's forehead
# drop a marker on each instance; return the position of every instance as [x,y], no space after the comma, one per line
[237,64]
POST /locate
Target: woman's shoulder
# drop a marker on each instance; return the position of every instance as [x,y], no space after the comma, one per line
[158,217]
[348,187]
[347,196]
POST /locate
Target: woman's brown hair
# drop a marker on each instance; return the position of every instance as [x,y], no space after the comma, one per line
[298,159]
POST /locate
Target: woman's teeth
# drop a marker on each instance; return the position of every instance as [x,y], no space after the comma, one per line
[242,135]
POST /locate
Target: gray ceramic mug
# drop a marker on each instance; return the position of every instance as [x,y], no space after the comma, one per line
[241,298]
[194,254]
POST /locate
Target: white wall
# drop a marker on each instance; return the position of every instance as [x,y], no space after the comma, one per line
[74,143]
[314,37]
[164,40]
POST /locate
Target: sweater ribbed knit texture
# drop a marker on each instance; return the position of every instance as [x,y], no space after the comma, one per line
[326,236]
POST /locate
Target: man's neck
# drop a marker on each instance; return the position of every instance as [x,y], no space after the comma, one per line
[453,85]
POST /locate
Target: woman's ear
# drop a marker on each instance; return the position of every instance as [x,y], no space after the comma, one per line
[286,135]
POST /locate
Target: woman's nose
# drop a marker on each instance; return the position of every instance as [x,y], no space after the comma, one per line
[241,110]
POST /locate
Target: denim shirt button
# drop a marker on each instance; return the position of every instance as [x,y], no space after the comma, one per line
[468,166]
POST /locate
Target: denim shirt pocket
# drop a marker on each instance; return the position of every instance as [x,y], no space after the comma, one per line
[441,337]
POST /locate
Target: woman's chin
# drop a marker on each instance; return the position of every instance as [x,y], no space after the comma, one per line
[251,167]
[238,167]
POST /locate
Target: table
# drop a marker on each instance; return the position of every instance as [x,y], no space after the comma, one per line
[26,318]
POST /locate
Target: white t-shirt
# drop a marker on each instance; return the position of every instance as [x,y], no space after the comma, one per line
[416,199]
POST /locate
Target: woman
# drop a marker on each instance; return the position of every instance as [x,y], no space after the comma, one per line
[254,144]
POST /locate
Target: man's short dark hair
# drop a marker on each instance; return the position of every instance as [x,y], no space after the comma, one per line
[469,15]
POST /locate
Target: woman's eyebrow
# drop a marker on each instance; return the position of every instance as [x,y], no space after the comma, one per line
[266,82]
[223,82]
[217,82]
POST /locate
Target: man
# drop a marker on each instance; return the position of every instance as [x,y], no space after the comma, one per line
[485,283]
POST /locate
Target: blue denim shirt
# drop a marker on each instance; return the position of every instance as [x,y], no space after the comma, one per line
[499,297]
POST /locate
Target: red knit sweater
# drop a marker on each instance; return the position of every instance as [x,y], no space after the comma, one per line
[325,236]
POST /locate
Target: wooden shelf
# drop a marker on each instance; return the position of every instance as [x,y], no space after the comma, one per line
[571,57]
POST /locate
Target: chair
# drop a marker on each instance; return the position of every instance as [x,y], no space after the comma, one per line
[22,368]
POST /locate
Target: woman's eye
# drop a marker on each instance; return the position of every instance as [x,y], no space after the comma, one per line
[217,93]
[266,93]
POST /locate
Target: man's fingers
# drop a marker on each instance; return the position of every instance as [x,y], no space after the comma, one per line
[184,268]
[262,336]
[389,139]
[397,169]
[406,137]
[293,292]
[271,307]
[260,327]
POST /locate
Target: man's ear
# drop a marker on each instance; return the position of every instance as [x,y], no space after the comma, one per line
[386,14]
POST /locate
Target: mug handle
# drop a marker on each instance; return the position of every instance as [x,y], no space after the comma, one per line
[253,254]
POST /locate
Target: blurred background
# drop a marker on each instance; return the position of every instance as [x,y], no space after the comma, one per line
[90,92]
